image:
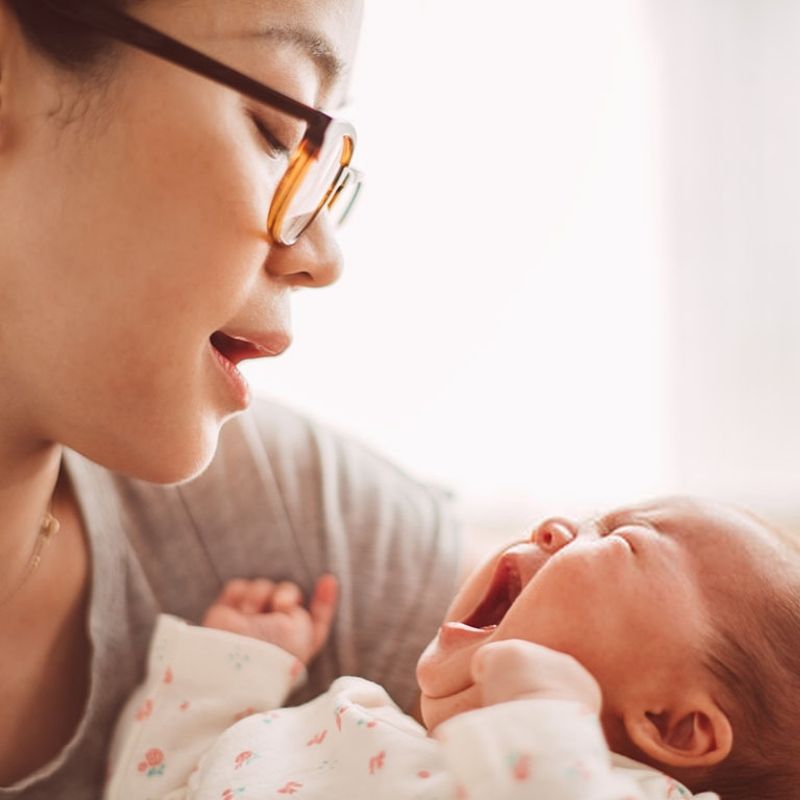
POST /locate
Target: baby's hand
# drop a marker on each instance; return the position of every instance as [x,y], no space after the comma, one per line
[275,613]
[515,669]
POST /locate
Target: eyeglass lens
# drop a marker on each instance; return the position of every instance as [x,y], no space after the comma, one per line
[319,187]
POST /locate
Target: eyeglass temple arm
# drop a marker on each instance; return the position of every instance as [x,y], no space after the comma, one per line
[107,20]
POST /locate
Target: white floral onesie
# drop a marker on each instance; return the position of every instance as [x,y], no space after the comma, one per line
[207,724]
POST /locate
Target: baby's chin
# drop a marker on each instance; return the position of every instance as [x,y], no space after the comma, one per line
[436,710]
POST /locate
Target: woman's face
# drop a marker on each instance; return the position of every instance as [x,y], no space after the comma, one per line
[133,229]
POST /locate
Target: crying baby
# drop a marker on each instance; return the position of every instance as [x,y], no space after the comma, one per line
[652,652]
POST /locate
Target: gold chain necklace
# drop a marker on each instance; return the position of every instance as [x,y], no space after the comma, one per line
[47,530]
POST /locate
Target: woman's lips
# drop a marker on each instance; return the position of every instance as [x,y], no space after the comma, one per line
[235,380]
[229,350]
[236,348]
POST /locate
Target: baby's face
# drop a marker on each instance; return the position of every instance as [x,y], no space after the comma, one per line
[626,594]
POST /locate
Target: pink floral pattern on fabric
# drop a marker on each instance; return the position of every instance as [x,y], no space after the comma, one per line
[244,758]
[377,762]
[520,766]
[153,764]
[290,787]
[144,710]
[247,712]
[373,750]
[317,738]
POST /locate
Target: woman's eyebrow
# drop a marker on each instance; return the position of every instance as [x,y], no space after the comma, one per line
[313,45]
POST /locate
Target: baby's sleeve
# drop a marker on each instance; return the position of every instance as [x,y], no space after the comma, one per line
[199,682]
[542,748]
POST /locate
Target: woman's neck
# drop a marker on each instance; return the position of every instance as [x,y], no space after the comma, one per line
[29,472]
[44,649]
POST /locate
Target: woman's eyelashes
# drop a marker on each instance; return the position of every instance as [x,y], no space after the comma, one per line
[273,146]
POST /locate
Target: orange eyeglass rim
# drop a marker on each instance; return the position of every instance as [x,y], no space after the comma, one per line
[296,171]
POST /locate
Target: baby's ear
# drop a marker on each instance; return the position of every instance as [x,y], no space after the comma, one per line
[694,733]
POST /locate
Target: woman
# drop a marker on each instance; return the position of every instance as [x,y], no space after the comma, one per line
[136,270]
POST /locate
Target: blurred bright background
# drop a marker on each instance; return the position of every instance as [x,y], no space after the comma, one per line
[572,279]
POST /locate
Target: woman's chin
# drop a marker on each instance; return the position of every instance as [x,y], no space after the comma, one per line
[170,470]
[179,460]
[163,454]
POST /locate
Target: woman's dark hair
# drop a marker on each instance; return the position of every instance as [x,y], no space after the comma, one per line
[69,45]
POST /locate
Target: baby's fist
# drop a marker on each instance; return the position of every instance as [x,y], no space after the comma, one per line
[275,613]
[514,669]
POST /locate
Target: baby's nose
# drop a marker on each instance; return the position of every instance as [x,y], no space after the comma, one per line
[553,534]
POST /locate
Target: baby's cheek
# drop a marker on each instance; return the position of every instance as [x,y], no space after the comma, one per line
[543,614]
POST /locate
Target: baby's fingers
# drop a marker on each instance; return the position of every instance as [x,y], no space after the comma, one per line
[257,596]
[247,596]
[322,608]
[287,596]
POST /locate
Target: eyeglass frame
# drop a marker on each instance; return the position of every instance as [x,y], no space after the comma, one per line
[116,25]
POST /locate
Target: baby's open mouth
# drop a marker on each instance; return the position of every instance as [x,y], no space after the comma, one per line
[503,590]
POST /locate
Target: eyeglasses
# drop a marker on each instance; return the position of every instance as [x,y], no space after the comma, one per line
[318,175]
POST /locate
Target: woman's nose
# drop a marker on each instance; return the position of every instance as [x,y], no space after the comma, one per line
[553,534]
[313,260]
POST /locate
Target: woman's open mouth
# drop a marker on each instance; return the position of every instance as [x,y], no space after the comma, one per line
[230,350]
[225,352]
[233,349]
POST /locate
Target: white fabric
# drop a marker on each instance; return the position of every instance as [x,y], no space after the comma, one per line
[350,742]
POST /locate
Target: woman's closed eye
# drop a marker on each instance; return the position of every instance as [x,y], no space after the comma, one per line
[273,146]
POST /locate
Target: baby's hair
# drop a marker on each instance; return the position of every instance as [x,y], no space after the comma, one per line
[755,658]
